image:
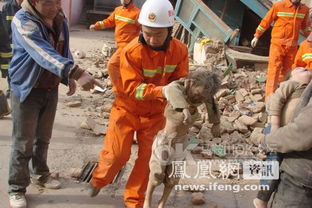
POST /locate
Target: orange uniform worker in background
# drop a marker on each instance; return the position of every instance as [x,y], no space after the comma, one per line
[148,63]
[125,19]
[304,54]
[289,16]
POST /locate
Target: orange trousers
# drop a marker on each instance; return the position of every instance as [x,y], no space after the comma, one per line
[281,59]
[117,149]
[113,67]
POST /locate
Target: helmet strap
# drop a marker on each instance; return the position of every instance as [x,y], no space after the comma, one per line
[297,4]
[160,48]
[126,5]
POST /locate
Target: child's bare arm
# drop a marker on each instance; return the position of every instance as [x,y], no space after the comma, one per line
[213,116]
[275,122]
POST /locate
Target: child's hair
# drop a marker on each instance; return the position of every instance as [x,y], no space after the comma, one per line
[210,79]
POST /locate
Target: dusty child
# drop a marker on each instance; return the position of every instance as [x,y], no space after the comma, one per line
[280,107]
[183,96]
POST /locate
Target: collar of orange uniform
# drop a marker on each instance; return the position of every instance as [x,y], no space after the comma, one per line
[130,6]
[154,53]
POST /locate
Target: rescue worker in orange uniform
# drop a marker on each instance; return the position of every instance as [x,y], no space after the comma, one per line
[304,54]
[125,19]
[289,16]
[147,65]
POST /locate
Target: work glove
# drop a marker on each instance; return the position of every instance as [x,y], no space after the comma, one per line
[187,116]
[92,27]
[71,87]
[215,130]
[254,42]
[87,82]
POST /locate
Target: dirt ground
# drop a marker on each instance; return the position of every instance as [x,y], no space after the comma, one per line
[72,146]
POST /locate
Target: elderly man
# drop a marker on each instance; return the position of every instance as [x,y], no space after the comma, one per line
[41,61]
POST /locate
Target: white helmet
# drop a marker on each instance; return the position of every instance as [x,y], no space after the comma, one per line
[157,13]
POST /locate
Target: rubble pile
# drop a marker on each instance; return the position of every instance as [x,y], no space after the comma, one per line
[209,52]
[241,104]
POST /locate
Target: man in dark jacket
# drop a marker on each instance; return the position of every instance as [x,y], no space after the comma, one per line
[8,12]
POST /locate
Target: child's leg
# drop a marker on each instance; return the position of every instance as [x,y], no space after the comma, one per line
[265,195]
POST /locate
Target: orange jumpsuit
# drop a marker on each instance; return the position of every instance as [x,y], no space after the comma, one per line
[304,55]
[138,107]
[125,19]
[288,21]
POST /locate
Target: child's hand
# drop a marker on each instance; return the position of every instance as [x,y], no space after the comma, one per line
[215,130]
[187,116]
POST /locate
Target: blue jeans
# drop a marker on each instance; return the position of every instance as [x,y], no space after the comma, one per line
[265,195]
[32,129]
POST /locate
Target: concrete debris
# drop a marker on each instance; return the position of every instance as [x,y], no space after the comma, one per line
[256,91]
[198,198]
[79,54]
[207,154]
[239,97]
[97,128]
[227,126]
[241,127]
[84,125]
[197,150]
[257,97]
[73,104]
[242,109]
[247,120]
[222,93]
[256,107]
[75,172]
[209,52]
[108,49]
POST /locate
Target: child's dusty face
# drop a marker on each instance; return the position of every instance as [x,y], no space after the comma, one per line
[301,75]
[196,93]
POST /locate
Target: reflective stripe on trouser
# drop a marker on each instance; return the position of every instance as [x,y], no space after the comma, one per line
[113,67]
[281,59]
[117,150]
